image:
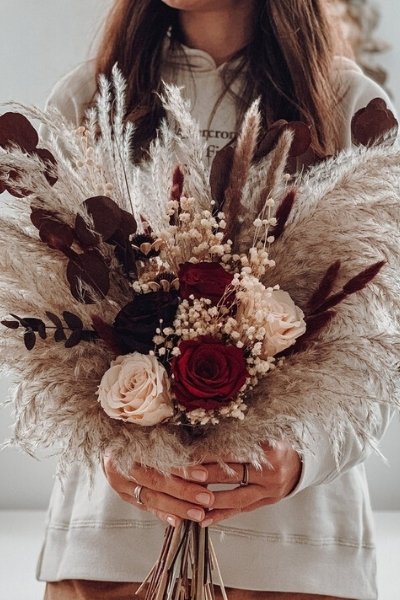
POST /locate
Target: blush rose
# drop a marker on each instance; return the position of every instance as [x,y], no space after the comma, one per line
[136,389]
[208,373]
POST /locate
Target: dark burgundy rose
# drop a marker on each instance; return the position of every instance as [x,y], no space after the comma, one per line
[136,324]
[208,373]
[203,280]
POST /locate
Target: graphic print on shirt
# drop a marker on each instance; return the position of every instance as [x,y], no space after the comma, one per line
[216,139]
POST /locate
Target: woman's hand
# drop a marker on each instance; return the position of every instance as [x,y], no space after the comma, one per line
[171,499]
[267,485]
[184,495]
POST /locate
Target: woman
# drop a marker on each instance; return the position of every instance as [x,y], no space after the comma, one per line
[310,536]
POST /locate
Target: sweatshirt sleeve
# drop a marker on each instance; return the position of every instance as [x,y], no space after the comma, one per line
[355,91]
[73,94]
[318,462]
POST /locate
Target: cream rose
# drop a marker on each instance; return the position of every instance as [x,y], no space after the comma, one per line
[284,323]
[272,315]
[136,388]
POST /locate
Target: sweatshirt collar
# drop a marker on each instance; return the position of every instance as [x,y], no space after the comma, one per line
[191,59]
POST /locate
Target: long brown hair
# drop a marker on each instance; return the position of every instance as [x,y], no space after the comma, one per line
[288,63]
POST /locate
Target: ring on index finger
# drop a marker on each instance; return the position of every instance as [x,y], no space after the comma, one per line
[245,476]
[137,493]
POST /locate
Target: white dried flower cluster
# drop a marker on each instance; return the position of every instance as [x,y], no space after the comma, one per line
[196,236]
[258,255]
[197,317]
[235,410]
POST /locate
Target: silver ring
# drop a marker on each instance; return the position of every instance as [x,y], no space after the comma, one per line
[245,477]
[137,493]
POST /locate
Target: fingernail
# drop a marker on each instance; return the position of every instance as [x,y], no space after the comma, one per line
[203,498]
[198,474]
[206,523]
[195,515]
[171,521]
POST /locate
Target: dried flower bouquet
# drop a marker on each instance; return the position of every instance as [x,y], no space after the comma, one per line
[168,310]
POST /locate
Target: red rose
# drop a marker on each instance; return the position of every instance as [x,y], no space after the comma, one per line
[208,373]
[203,280]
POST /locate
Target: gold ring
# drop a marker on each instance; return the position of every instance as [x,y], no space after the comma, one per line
[136,494]
[245,477]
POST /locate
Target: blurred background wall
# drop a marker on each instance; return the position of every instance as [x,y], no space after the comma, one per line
[42,40]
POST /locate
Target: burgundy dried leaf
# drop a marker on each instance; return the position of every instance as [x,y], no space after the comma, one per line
[371,123]
[90,269]
[74,339]
[88,335]
[11,186]
[32,323]
[29,340]
[50,162]
[270,139]
[220,173]
[128,225]
[105,213]
[85,236]
[361,280]
[59,335]
[10,324]
[325,287]
[16,317]
[40,216]
[16,129]
[124,252]
[54,319]
[73,321]
[106,333]
[42,330]
[55,234]
[301,138]
[283,212]
[177,184]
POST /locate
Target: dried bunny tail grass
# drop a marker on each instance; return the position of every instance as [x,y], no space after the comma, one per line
[265,180]
[155,179]
[189,145]
[276,170]
[242,160]
[114,142]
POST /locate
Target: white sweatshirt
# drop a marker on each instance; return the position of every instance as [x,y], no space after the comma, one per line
[319,540]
